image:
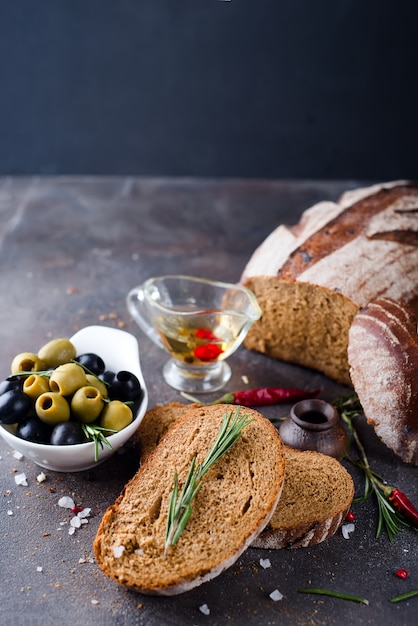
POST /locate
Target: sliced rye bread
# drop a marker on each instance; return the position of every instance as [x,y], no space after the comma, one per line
[317,492]
[235,502]
[316,497]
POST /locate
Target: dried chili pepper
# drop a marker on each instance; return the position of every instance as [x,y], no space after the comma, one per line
[402,503]
[265,396]
[205,333]
[208,352]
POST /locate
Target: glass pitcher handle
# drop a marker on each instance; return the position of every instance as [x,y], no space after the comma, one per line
[137,307]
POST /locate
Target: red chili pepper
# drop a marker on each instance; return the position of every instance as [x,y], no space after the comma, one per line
[265,396]
[402,503]
[208,352]
[350,517]
[205,333]
[402,573]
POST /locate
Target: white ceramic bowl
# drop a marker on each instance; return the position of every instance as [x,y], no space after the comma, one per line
[119,350]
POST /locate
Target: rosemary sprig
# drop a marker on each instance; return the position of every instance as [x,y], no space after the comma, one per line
[96,434]
[335,594]
[405,596]
[349,408]
[180,505]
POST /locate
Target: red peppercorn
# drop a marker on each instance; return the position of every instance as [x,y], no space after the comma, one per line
[76,509]
[402,573]
[350,517]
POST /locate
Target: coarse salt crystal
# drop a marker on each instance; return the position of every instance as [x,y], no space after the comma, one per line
[118,551]
[265,563]
[9,512]
[41,477]
[17,455]
[66,502]
[94,601]
[84,513]
[276,595]
[39,568]
[75,522]
[346,529]
[20,479]
[71,530]
[203,608]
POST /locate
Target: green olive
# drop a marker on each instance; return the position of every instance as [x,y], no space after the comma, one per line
[93,381]
[52,408]
[27,362]
[35,385]
[67,378]
[116,415]
[57,352]
[87,404]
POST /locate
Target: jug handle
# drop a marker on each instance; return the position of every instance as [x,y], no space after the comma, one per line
[136,306]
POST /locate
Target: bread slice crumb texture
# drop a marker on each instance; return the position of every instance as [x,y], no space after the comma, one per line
[316,496]
[236,500]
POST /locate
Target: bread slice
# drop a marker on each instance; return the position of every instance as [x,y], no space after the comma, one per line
[317,491]
[311,279]
[155,424]
[235,502]
[317,495]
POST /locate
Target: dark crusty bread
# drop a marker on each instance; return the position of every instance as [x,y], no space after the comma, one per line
[316,497]
[155,424]
[236,500]
[317,490]
[383,356]
[311,279]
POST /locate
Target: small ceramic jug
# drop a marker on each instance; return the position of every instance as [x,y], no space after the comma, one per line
[315,425]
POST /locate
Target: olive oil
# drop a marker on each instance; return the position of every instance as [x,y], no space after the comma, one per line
[202,339]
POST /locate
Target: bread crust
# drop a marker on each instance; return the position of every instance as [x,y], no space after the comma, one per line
[383,356]
[236,500]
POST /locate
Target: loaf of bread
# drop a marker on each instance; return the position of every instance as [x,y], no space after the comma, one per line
[312,279]
[317,495]
[383,357]
[236,500]
[317,491]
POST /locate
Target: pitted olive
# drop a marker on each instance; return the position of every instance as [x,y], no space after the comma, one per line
[57,352]
[14,406]
[27,362]
[52,408]
[35,385]
[92,362]
[87,404]
[116,415]
[93,381]
[67,434]
[67,378]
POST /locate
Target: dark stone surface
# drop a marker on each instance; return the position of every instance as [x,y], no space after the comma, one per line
[70,249]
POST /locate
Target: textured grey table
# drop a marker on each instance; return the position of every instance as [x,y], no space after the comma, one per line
[70,249]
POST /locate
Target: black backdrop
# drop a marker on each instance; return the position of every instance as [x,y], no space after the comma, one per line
[253,88]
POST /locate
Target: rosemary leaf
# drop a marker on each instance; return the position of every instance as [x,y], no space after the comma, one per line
[96,434]
[180,505]
[405,596]
[335,594]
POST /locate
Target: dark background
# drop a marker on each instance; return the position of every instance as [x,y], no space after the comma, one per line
[251,88]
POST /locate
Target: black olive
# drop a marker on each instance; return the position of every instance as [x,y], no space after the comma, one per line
[93,362]
[14,406]
[125,387]
[12,382]
[107,376]
[67,434]
[32,429]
